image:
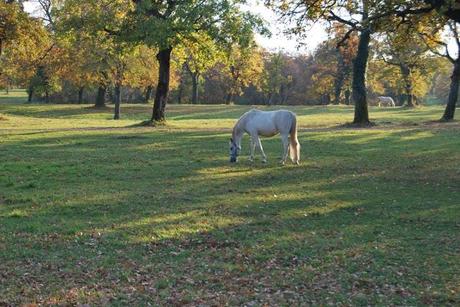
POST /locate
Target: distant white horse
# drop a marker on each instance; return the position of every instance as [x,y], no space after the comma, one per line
[266,123]
[385,101]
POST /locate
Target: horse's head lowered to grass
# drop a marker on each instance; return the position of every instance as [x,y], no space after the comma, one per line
[234,151]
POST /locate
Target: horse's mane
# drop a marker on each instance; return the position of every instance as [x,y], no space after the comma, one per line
[236,127]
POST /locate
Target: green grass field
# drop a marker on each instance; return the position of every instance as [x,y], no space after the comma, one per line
[95,211]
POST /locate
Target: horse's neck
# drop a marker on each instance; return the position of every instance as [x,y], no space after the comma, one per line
[238,132]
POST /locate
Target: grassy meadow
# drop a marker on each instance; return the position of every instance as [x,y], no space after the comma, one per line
[96,211]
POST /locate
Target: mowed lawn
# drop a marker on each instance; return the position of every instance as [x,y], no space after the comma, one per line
[95,211]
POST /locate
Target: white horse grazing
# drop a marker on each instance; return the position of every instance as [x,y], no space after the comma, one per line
[385,101]
[266,123]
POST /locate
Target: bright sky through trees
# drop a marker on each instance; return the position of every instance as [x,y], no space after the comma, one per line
[278,40]
[281,41]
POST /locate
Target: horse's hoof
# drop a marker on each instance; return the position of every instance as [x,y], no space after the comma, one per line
[264,161]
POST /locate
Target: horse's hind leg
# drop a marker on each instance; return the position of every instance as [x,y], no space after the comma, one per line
[285,140]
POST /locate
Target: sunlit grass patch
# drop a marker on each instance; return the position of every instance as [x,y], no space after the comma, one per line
[95,211]
[17,213]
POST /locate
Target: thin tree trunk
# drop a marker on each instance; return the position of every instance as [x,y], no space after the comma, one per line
[228,98]
[359,79]
[148,93]
[270,99]
[180,92]
[81,90]
[284,97]
[408,88]
[284,93]
[449,112]
[30,93]
[347,96]
[182,83]
[340,78]
[100,98]
[117,101]
[195,77]
[162,92]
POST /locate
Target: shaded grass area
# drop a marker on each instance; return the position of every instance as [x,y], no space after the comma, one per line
[130,216]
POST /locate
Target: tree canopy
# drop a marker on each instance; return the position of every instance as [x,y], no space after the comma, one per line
[206,52]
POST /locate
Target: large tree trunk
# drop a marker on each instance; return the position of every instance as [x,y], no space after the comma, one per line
[80,94]
[100,98]
[408,88]
[148,93]
[162,92]
[117,100]
[359,79]
[453,93]
[195,77]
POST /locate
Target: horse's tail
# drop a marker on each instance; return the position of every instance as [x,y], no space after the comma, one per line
[294,145]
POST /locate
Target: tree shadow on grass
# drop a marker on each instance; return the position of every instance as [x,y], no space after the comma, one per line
[165,219]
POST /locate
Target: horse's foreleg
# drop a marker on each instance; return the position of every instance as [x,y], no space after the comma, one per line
[252,149]
[285,140]
[259,145]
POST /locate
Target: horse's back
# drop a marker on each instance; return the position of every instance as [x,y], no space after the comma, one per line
[269,123]
[386,99]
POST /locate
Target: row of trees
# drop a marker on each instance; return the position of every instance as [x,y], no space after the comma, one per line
[365,18]
[205,51]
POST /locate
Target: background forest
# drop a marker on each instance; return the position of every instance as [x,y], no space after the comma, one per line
[78,52]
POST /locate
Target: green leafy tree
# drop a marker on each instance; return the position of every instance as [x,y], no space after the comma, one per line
[245,67]
[167,24]
[22,56]
[454,59]
[324,72]
[97,25]
[142,70]
[407,50]
[364,17]
[275,78]
[198,55]
[13,22]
